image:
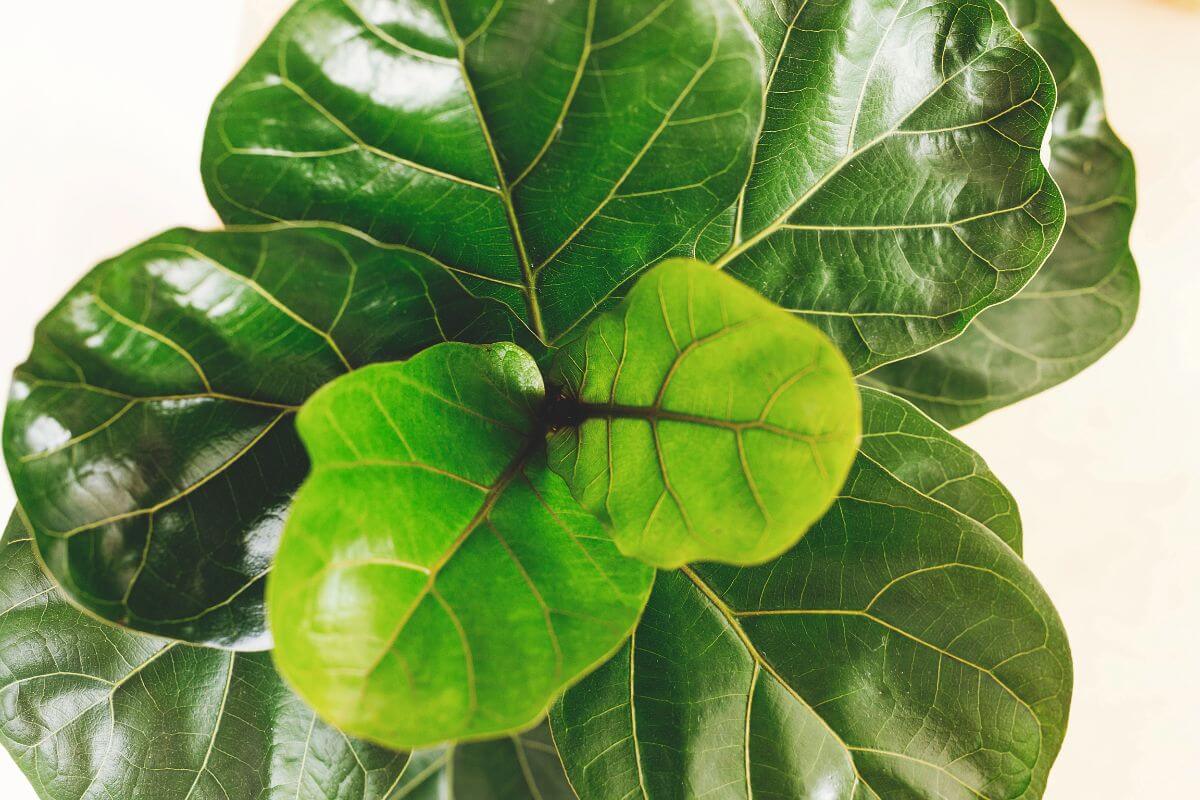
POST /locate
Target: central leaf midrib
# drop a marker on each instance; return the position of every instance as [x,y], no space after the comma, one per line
[656,414]
[503,481]
[759,658]
[510,211]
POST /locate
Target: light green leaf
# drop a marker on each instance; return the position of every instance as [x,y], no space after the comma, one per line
[900,650]
[703,422]
[436,582]
[1085,298]
[873,164]
[90,712]
[523,766]
[150,434]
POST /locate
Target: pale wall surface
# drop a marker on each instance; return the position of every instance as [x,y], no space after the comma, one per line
[99,149]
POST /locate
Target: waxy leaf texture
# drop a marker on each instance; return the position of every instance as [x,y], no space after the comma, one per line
[921,454]
[543,152]
[872,164]
[90,712]
[1084,300]
[150,436]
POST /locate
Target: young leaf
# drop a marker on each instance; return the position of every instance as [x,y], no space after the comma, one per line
[899,650]
[524,766]
[874,165]
[150,435]
[436,581]
[1085,298]
[706,422]
[90,712]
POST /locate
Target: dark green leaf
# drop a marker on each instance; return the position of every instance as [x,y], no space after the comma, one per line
[900,650]
[565,144]
[150,435]
[709,423]
[91,712]
[436,582]
[918,452]
[1085,298]
[897,188]
[873,164]
[524,766]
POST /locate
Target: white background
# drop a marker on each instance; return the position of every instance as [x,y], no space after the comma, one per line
[103,106]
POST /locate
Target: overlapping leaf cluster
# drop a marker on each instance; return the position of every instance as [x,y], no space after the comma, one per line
[539,469]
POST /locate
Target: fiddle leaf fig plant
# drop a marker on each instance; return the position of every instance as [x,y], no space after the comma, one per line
[482,588]
[553,418]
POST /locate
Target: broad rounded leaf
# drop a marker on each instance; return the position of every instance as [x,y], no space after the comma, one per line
[436,582]
[900,650]
[150,434]
[90,712]
[545,151]
[873,164]
[1085,298]
[705,423]
[523,766]
[897,188]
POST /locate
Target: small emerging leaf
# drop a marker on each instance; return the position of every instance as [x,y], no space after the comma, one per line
[436,581]
[712,425]
[900,650]
[90,712]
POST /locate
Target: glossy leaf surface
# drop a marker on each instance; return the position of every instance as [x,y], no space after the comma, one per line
[90,712]
[150,434]
[523,766]
[1085,298]
[919,453]
[436,581]
[873,164]
[900,650]
[537,149]
[897,188]
[713,425]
